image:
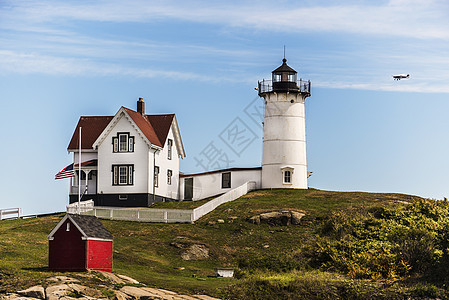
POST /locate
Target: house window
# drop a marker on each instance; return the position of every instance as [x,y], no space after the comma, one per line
[169,146]
[68,227]
[156,176]
[169,175]
[123,142]
[226,180]
[122,174]
[287,176]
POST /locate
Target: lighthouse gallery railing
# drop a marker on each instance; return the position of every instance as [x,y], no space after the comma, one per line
[266,86]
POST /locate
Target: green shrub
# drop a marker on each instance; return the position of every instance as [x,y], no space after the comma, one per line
[427,290]
[308,285]
[108,294]
[381,242]
[281,262]
[416,246]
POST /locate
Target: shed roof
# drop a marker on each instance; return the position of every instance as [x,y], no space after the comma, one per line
[89,226]
[182,175]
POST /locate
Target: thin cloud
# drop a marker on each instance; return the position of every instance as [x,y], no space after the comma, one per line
[39,38]
[23,63]
[387,87]
[421,19]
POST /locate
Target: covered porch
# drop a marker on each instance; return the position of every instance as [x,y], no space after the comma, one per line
[88,177]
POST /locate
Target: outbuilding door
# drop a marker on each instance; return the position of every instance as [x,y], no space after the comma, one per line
[188,188]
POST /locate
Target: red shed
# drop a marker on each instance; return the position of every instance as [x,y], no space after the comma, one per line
[80,243]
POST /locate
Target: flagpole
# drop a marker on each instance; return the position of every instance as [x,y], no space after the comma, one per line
[79,175]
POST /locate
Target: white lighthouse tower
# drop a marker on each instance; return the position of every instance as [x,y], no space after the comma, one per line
[284,163]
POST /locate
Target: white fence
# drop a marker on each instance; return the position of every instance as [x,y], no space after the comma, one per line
[5,213]
[84,207]
[143,214]
[164,215]
[229,196]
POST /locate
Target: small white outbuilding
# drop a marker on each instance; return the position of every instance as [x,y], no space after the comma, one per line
[224,272]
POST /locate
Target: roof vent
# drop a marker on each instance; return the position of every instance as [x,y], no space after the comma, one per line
[141,107]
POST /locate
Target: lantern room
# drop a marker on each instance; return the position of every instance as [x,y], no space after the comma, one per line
[284,78]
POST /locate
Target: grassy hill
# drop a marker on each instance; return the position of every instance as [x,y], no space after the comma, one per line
[349,245]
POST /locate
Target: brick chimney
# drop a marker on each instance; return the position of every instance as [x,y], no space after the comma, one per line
[141,107]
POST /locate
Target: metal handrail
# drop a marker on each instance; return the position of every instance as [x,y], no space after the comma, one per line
[303,86]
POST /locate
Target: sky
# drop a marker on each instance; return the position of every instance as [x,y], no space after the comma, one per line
[202,60]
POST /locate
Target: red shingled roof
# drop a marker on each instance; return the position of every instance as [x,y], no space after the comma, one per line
[154,127]
[145,126]
[92,127]
[161,124]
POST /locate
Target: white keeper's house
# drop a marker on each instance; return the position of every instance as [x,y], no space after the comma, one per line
[131,159]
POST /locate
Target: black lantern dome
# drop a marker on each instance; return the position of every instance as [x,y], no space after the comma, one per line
[284,78]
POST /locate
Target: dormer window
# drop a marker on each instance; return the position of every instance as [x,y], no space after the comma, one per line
[123,142]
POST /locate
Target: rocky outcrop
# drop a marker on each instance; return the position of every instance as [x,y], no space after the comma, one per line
[65,288]
[37,292]
[195,252]
[116,279]
[278,218]
[192,250]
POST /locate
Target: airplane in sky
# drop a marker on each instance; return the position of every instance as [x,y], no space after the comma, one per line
[401,76]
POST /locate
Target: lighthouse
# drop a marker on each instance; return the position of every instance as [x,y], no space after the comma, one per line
[284,163]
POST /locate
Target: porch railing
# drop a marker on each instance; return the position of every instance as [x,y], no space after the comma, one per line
[85,206]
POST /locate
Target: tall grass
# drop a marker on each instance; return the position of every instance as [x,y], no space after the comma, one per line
[348,246]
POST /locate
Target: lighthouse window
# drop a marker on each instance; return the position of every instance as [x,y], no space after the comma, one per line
[287,176]
[285,77]
[276,77]
[292,77]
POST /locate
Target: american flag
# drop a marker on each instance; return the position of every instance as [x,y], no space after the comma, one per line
[66,172]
